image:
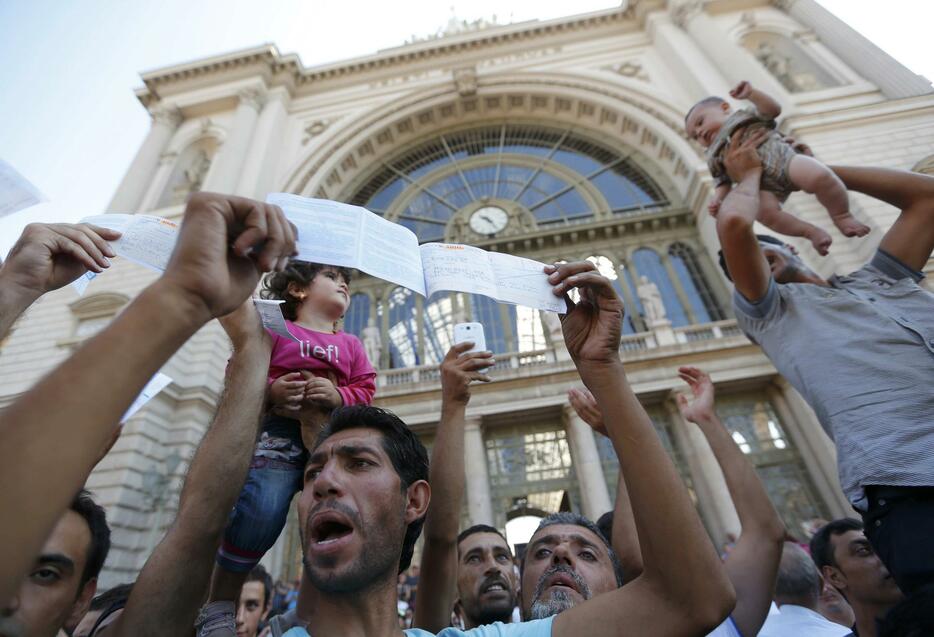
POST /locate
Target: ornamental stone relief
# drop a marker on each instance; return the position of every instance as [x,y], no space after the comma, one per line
[314,129]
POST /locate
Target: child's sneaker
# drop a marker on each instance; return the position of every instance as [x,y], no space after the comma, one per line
[217,619]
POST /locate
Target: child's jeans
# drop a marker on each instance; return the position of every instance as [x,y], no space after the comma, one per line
[260,513]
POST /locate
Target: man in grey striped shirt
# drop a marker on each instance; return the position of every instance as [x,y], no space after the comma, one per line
[859,348]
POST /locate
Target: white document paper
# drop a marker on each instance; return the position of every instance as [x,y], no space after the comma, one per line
[351,236]
[155,385]
[145,240]
[270,314]
[16,192]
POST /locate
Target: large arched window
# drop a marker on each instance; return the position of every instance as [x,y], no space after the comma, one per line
[403,329]
[357,315]
[540,176]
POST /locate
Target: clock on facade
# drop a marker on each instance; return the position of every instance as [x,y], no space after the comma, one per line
[488,220]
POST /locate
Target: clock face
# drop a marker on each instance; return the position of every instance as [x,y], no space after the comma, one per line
[489,220]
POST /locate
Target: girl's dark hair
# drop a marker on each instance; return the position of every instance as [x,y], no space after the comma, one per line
[276,284]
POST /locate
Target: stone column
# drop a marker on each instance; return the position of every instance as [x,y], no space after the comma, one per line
[864,57]
[159,181]
[129,195]
[587,466]
[260,162]
[734,61]
[479,504]
[225,176]
[699,77]
[709,484]
[815,447]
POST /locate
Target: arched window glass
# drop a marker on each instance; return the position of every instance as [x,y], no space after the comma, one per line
[703,302]
[437,326]
[649,264]
[403,334]
[528,329]
[551,173]
[486,311]
[757,430]
[606,268]
[357,315]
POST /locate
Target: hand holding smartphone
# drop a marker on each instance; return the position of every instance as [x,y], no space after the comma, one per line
[473,332]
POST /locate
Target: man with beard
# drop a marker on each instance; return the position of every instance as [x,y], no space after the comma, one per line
[486,577]
[847,561]
[366,496]
[859,348]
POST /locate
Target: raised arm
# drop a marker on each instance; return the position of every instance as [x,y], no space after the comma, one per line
[625,538]
[172,584]
[765,104]
[744,258]
[683,589]
[911,237]
[47,257]
[205,278]
[753,562]
[438,572]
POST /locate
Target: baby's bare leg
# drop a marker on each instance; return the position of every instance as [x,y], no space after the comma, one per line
[815,178]
[772,215]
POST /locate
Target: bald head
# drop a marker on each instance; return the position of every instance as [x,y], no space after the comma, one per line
[799,581]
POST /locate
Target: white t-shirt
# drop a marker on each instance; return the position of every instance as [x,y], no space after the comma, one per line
[726,629]
[797,621]
[537,628]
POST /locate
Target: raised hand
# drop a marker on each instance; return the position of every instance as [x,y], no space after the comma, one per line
[459,369]
[741,91]
[49,256]
[593,326]
[224,245]
[701,408]
[585,405]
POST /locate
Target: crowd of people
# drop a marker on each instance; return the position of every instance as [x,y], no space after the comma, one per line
[295,419]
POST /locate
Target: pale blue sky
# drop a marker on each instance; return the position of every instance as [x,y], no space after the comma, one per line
[71,123]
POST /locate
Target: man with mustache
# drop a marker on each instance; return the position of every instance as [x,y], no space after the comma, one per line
[486,577]
[366,496]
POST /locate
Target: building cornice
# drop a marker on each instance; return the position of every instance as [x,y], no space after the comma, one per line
[288,68]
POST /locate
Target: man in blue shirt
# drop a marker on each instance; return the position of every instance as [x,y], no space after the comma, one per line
[859,348]
[366,495]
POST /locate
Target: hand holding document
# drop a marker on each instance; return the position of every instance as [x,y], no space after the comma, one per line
[270,315]
[16,192]
[145,240]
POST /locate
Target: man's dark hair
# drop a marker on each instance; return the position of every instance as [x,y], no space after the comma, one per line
[575,519]
[763,238]
[713,100]
[260,574]
[605,524]
[406,452]
[911,617]
[118,593]
[276,284]
[96,519]
[821,545]
[481,528]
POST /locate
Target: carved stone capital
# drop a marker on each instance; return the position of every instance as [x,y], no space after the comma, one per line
[252,97]
[683,12]
[168,116]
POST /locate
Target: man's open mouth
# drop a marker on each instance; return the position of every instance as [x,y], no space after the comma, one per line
[329,527]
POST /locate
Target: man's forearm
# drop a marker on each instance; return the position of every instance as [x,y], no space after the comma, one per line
[439,556]
[74,410]
[175,579]
[625,538]
[672,539]
[13,302]
[742,202]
